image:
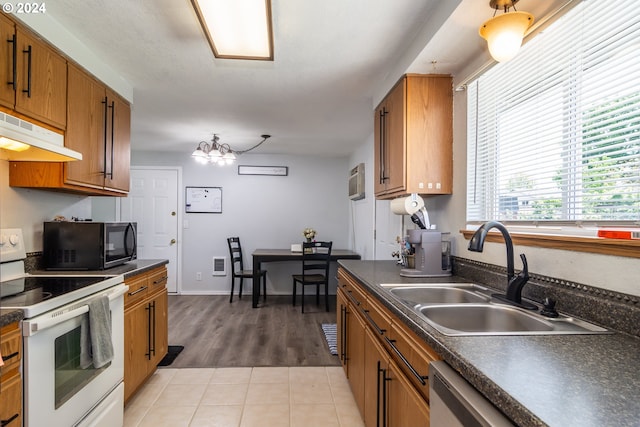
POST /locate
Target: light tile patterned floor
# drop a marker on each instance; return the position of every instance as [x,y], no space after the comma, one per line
[245,397]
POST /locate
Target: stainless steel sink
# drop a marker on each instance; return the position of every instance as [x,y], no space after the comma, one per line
[483,318]
[439,295]
[465,309]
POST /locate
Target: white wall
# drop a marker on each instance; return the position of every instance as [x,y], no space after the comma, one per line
[449,213]
[264,211]
[28,209]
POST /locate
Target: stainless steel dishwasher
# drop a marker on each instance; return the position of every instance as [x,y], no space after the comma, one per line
[454,402]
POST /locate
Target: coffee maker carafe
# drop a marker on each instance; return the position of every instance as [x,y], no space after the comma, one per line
[432,253]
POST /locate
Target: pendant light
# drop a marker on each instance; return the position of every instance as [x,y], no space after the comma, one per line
[504,33]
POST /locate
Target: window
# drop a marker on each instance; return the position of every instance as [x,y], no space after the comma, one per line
[554,134]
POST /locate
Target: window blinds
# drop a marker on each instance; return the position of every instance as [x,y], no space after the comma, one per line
[554,134]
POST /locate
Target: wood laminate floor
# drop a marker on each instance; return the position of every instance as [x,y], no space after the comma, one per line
[217,334]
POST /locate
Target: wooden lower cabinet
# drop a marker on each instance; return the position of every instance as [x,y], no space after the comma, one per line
[10,379]
[145,327]
[386,364]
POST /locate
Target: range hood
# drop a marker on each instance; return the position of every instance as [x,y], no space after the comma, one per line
[24,141]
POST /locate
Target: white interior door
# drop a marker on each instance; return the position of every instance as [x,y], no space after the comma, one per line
[153,202]
[388,229]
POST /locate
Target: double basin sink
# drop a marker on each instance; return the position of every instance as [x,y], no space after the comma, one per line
[468,309]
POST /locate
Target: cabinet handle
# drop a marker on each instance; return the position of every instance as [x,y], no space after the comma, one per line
[162,279]
[352,298]
[113,115]
[148,310]
[137,291]
[11,356]
[29,52]
[421,378]
[344,336]
[104,137]
[380,370]
[14,58]
[373,322]
[381,147]
[8,420]
[153,328]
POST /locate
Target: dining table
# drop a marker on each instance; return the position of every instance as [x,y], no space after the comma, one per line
[275,255]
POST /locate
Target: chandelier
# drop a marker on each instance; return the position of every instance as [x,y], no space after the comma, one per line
[220,153]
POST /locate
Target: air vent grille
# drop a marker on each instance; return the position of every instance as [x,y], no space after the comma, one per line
[219,266]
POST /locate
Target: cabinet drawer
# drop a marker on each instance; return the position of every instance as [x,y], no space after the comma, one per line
[379,320]
[138,289]
[417,356]
[10,347]
[11,397]
[157,279]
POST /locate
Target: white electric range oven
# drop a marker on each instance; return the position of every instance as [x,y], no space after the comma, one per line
[60,390]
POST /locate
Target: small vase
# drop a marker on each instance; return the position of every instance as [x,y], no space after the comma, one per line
[308,250]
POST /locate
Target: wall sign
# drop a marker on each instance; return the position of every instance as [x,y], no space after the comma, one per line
[203,200]
[263,170]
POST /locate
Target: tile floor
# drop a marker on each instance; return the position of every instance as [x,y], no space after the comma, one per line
[245,397]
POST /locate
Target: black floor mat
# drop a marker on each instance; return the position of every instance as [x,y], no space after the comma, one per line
[174,351]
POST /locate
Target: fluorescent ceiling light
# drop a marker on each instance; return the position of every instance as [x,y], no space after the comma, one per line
[237,29]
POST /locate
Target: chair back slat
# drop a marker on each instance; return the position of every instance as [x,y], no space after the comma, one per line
[235,253]
[316,256]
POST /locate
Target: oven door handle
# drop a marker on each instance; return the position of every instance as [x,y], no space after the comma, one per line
[33,326]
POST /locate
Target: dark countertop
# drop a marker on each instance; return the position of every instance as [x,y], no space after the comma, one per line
[561,380]
[8,316]
[128,269]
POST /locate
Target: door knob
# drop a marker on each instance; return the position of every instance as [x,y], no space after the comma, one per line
[173,241]
[173,213]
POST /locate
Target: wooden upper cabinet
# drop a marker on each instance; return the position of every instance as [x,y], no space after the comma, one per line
[86,112]
[413,137]
[7,41]
[99,124]
[41,81]
[99,127]
[118,143]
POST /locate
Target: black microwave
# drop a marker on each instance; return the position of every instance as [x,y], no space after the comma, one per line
[88,245]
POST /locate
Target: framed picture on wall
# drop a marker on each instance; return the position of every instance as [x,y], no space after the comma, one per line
[203,200]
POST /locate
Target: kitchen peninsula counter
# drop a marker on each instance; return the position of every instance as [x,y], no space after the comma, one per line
[561,380]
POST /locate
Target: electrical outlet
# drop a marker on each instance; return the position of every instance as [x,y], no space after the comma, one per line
[198,276]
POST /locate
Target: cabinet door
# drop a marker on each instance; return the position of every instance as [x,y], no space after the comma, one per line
[7,46]
[41,81]
[429,135]
[10,347]
[86,130]
[11,398]
[341,324]
[380,141]
[375,362]
[118,144]
[159,329]
[396,138]
[355,355]
[136,347]
[405,406]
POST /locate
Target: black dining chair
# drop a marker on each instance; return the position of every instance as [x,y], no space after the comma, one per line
[316,257]
[238,271]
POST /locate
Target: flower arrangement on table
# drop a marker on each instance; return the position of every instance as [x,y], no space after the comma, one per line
[309,234]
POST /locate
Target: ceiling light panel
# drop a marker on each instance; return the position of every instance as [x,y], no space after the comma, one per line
[237,29]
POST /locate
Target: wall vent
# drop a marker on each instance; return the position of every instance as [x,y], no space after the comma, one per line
[219,266]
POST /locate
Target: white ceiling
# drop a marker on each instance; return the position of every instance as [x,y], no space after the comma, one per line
[334,60]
